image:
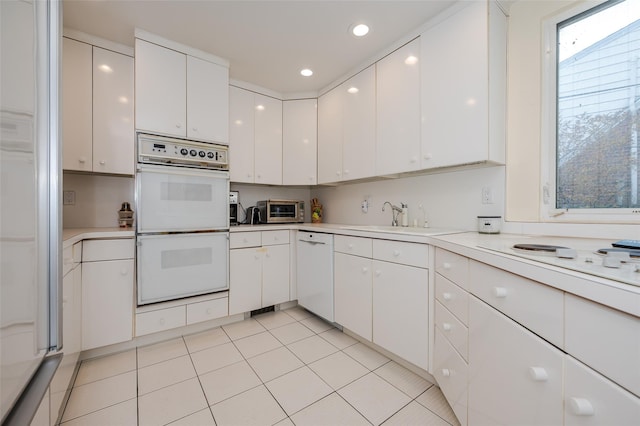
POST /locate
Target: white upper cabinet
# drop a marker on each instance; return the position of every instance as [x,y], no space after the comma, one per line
[207,101]
[346,129]
[113,131]
[179,94]
[241,129]
[464,87]
[398,111]
[299,142]
[161,89]
[255,145]
[330,107]
[77,105]
[359,130]
[98,131]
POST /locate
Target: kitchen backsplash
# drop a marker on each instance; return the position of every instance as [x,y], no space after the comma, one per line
[97,199]
[250,194]
[450,200]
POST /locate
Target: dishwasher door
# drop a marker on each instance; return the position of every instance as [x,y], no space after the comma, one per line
[315,273]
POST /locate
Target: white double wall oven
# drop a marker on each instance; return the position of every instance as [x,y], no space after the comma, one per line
[182,208]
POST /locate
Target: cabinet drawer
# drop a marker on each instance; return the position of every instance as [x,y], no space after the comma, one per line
[453,298]
[456,332]
[404,253]
[245,239]
[208,310]
[585,388]
[162,319]
[271,238]
[536,306]
[451,373]
[96,250]
[356,246]
[591,330]
[453,267]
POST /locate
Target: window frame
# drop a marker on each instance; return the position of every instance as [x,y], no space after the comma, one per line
[548,210]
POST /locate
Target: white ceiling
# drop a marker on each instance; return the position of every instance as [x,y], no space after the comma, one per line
[267,42]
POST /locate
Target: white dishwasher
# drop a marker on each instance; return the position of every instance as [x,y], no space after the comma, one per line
[315,273]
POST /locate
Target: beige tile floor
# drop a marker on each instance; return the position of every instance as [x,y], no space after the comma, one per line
[279,368]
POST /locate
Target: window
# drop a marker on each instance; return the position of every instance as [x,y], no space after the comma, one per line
[595,59]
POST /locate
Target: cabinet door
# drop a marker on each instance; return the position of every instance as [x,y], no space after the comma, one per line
[76,105]
[299,142]
[161,89]
[398,111]
[591,399]
[451,373]
[113,129]
[401,311]
[455,88]
[107,303]
[275,275]
[353,295]
[245,280]
[207,101]
[359,130]
[268,140]
[514,376]
[241,131]
[330,136]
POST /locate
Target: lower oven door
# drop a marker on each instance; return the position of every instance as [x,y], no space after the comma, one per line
[173,266]
[180,199]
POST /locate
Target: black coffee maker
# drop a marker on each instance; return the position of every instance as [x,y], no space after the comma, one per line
[233,207]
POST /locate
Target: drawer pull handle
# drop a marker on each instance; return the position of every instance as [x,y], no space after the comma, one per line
[500,292]
[396,253]
[350,246]
[447,296]
[538,374]
[209,311]
[446,326]
[446,372]
[378,273]
[123,272]
[82,160]
[581,406]
[446,265]
[162,321]
[102,162]
[256,256]
[365,270]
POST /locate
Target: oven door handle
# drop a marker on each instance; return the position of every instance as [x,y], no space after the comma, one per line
[182,171]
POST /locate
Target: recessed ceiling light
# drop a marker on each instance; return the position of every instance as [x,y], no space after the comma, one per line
[360,30]
[411,60]
[306,72]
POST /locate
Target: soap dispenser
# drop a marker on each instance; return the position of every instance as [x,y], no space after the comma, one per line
[405,214]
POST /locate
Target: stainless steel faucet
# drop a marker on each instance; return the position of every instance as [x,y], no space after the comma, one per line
[395,210]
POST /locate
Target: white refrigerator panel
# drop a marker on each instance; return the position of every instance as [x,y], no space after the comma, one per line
[174,199]
[181,265]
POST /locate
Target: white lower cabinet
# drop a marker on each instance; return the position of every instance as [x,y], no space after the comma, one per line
[107,292]
[591,399]
[515,377]
[353,293]
[452,374]
[401,311]
[258,270]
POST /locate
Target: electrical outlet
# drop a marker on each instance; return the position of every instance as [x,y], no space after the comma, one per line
[365,206]
[69,198]
[487,195]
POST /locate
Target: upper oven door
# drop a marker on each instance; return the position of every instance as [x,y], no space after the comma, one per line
[178,199]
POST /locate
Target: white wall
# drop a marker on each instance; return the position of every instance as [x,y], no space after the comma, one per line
[451,199]
[98,199]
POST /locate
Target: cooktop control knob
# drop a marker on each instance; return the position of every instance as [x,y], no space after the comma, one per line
[184,151]
[193,152]
[210,155]
[202,154]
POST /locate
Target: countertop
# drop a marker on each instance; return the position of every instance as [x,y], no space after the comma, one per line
[480,247]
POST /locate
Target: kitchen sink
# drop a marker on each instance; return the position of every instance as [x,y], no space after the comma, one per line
[400,229]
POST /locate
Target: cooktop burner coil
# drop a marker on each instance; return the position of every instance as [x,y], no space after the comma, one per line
[540,248]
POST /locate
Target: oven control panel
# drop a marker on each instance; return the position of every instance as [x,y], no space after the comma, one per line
[169,151]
